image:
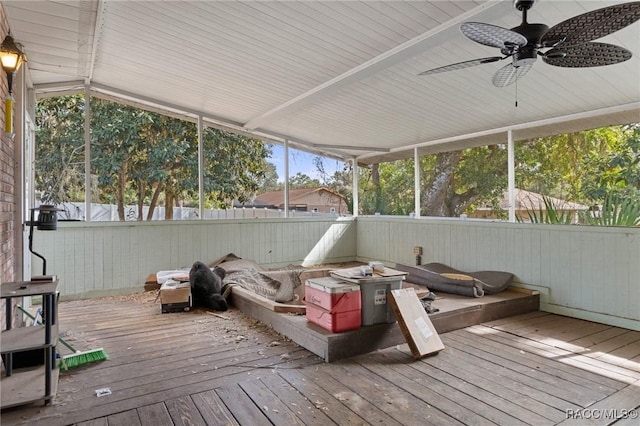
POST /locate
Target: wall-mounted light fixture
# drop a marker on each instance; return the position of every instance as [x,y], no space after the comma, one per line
[11,57]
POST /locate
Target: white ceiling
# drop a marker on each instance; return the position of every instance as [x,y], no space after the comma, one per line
[339,77]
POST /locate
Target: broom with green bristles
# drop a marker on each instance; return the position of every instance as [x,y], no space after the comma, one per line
[77,358]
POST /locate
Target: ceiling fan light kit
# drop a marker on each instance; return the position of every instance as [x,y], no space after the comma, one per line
[570,43]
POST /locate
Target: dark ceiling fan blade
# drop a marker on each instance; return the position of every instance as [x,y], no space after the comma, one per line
[586,55]
[509,74]
[461,65]
[492,35]
[592,25]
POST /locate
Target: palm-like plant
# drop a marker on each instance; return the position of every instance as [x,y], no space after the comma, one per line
[616,211]
[551,214]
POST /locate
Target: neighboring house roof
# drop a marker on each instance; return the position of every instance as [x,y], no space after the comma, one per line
[254,203]
[276,198]
[534,201]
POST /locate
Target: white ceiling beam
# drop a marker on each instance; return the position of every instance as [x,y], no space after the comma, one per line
[332,151]
[188,114]
[97,34]
[634,106]
[387,59]
[351,147]
[54,87]
[215,121]
[47,90]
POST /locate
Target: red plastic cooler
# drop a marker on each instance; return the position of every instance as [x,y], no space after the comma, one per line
[332,304]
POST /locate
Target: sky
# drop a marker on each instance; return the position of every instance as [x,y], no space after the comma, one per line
[300,161]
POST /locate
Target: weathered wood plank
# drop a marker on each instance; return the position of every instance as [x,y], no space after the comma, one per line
[559,328]
[604,337]
[456,314]
[615,351]
[165,364]
[553,391]
[533,361]
[295,401]
[95,422]
[629,419]
[126,418]
[318,398]
[618,356]
[522,322]
[518,319]
[134,324]
[582,361]
[198,370]
[625,403]
[371,413]
[393,371]
[272,407]
[512,398]
[403,407]
[241,406]
[546,352]
[154,415]
[632,363]
[150,329]
[184,412]
[212,409]
[460,391]
[162,390]
[178,364]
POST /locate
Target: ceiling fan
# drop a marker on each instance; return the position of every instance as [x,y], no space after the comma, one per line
[569,43]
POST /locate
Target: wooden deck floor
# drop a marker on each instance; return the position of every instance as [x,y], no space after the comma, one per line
[197,368]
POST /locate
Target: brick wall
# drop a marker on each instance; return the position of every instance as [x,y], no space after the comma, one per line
[7,186]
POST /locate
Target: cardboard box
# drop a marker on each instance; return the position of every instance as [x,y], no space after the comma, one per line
[175,296]
[332,304]
[414,322]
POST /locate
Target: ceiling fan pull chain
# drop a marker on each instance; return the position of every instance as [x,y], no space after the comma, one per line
[516,87]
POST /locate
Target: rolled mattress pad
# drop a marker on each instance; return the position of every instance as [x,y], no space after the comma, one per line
[450,282]
[439,277]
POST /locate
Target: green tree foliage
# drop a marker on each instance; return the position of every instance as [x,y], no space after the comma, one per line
[270,181]
[387,188]
[559,165]
[341,182]
[236,167]
[616,171]
[140,157]
[168,166]
[451,182]
[119,152]
[59,163]
[143,158]
[580,167]
[460,179]
[301,180]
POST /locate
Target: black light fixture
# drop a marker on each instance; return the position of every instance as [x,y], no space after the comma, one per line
[11,57]
[47,221]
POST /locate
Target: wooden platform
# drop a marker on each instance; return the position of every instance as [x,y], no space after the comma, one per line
[455,312]
[197,368]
